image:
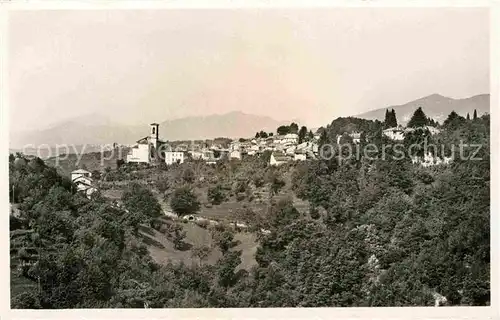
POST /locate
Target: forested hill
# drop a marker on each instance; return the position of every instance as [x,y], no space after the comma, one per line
[379,233]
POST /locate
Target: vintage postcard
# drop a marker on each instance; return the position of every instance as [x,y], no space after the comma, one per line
[198,160]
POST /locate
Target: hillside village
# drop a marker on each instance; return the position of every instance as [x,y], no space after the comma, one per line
[227,204]
[289,146]
[283,147]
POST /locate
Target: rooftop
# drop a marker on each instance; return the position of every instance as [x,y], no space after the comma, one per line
[80,171]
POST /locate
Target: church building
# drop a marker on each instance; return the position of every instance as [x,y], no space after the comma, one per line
[146,149]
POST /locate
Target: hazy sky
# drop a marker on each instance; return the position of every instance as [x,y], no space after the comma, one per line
[314,65]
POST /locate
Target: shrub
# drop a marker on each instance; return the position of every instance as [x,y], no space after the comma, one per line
[241,186]
[216,194]
[258,181]
[314,213]
[188,175]
[162,185]
[184,201]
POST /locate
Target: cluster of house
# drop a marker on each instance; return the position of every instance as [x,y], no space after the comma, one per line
[283,148]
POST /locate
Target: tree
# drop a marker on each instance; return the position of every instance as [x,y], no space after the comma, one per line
[282,130]
[266,156]
[226,268]
[262,134]
[178,235]
[188,175]
[419,119]
[310,135]
[276,184]
[184,201]
[454,121]
[390,119]
[201,252]
[141,205]
[294,128]
[224,239]
[119,163]
[216,194]
[468,116]
[270,134]
[323,138]
[96,174]
[162,185]
[302,133]
[475,114]
[257,135]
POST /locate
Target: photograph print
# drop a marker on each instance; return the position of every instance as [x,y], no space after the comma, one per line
[249,157]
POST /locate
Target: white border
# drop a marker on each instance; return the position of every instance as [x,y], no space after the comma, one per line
[491,312]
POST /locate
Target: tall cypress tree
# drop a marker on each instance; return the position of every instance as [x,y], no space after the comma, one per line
[468,116]
[394,120]
[475,114]
[419,119]
[390,119]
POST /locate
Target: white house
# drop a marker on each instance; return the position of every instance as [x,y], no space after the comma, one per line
[145,149]
[278,158]
[80,173]
[299,156]
[196,154]
[430,160]
[290,150]
[396,133]
[207,155]
[254,149]
[83,181]
[356,137]
[432,130]
[306,147]
[172,157]
[235,154]
[290,138]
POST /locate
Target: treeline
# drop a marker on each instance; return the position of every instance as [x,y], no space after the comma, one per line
[302,133]
[413,231]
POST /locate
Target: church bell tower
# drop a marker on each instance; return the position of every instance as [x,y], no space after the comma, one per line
[154,135]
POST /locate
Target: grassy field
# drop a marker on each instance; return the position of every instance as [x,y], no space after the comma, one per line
[162,250]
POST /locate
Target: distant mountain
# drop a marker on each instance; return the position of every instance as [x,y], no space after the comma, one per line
[94,129]
[435,106]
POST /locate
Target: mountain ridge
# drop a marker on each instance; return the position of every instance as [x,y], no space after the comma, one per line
[98,129]
[435,106]
[82,130]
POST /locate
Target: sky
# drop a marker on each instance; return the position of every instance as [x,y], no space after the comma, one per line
[142,66]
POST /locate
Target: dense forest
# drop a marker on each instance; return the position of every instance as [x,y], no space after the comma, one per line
[380,232]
